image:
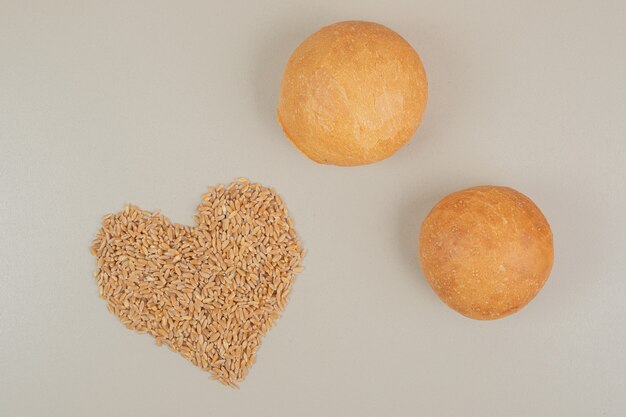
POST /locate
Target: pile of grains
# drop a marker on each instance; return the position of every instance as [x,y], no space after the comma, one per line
[209,292]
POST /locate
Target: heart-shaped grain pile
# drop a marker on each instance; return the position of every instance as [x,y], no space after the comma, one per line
[209,292]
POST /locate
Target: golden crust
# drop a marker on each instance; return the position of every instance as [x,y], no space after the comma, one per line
[486,251]
[352,93]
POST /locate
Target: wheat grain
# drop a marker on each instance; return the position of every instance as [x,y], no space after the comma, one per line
[209,292]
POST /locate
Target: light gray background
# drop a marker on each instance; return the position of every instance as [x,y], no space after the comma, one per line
[104,103]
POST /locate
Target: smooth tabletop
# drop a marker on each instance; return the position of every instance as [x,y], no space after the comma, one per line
[104,103]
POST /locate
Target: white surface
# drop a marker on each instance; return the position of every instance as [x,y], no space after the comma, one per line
[103,103]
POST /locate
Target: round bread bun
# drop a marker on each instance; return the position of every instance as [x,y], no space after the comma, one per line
[352,93]
[486,251]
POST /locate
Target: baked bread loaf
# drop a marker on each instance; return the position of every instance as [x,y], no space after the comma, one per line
[352,93]
[486,251]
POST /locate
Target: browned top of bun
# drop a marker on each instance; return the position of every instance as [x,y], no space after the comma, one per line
[352,93]
[486,251]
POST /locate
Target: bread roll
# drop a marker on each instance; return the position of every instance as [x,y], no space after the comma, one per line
[486,251]
[352,93]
